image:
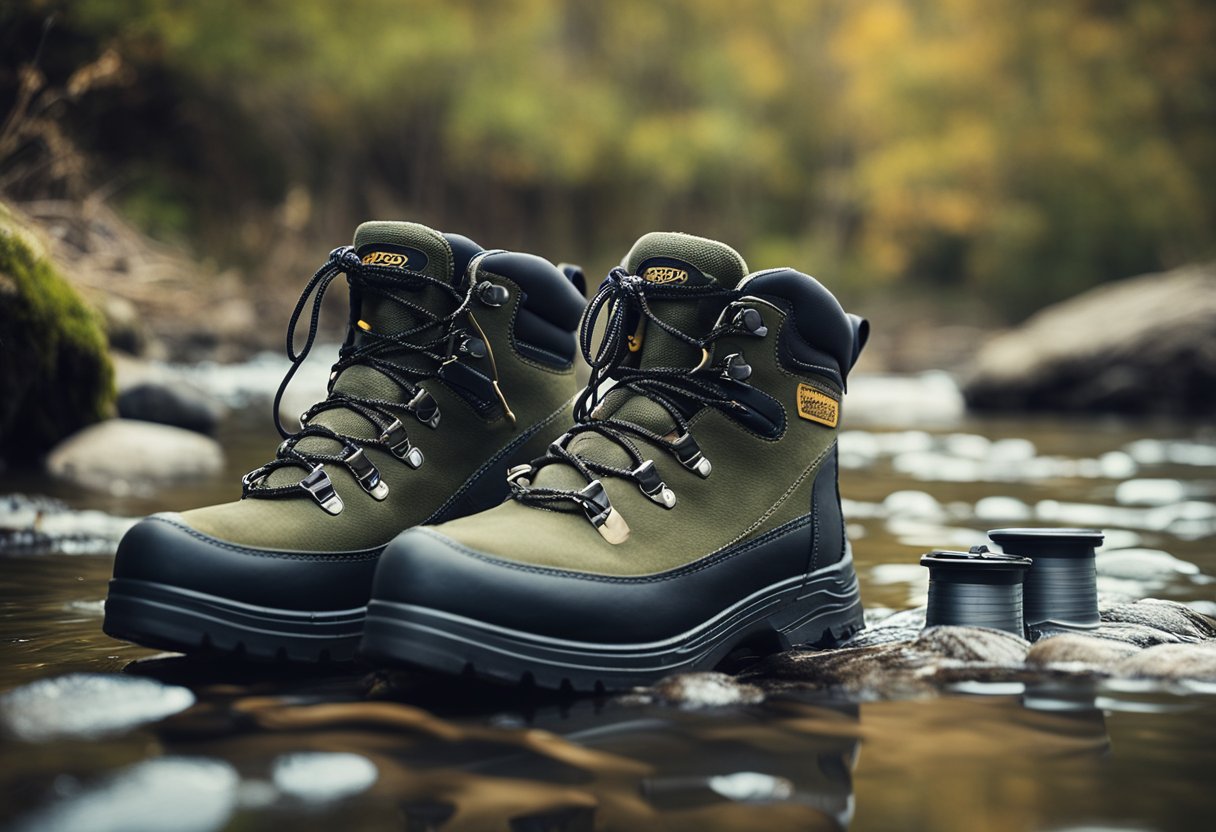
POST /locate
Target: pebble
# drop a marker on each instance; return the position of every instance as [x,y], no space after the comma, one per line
[321,777]
[88,705]
[167,794]
[703,690]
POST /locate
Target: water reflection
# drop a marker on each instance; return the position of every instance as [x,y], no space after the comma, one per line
[424,749]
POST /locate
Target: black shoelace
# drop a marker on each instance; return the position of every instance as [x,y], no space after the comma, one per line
[676,389]
[436,336]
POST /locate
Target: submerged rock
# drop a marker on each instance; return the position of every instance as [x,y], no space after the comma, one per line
[1074,651]
[88,705]
[1143,345]
[170,794]
[321,777]
[124,456]
[703,690]
[900,657]
[1173,662]
[42,525]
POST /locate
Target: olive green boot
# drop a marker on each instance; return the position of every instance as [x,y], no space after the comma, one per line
[458,364]
[692,510]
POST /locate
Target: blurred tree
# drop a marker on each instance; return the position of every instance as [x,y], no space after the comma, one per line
[1022,151]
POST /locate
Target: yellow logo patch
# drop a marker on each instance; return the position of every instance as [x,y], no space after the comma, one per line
[386,258]
[817,406]
[665,274]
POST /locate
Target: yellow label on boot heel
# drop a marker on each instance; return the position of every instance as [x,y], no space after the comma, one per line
[817,406]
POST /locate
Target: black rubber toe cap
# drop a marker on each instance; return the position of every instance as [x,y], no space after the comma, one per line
[163,549]
[422,567]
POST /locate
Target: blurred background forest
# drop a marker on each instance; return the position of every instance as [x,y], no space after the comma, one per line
[998,153]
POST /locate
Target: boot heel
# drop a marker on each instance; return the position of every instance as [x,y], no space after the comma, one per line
[827,611]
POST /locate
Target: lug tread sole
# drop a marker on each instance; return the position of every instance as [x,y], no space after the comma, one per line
[824,611]
[170,618]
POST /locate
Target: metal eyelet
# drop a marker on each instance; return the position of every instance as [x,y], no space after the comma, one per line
[749,321]
[252,478]
[364,471]
[521,475]
[652,484]
[491,294]
[398,443]
[424,406]
[319,486]
[689,454]
[606,519]
[736,368]
[473,347]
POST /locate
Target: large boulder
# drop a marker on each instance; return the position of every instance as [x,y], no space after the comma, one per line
[125,456]
[55,374]
[1144,345]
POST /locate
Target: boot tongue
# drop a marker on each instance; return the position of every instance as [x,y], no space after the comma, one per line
[410,247]
[405,245]
[676,260]
[673,260]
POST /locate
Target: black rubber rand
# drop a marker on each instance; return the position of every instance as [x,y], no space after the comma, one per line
[171,618]
[820,609]
[177,589]
[438,605]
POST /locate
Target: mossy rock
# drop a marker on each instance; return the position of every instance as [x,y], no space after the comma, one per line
[55,373]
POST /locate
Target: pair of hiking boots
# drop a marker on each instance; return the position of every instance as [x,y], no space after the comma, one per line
[456,504]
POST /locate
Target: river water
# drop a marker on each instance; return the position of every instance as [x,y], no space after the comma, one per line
[97,734]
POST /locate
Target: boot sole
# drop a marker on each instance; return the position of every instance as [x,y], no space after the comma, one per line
[171,618]
[820,609]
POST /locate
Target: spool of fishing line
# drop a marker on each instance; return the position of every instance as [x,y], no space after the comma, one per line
[975,589]
[1062,587]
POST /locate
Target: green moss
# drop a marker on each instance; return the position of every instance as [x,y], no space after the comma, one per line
[55,373]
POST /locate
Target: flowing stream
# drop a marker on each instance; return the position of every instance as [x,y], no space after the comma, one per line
[102,735]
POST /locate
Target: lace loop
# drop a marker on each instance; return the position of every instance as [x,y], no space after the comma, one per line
[379,351]
[625,299]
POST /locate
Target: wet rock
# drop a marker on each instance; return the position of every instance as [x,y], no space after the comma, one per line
[898,657]
[41,525]
[1137,346]
[1178,620]
[321,777]
[901,626]
[88,705]
[170,794]
[703,690]
[1137,635]
[171,402]
[124,456]
[1174,662]
[936,656]
[1079,652]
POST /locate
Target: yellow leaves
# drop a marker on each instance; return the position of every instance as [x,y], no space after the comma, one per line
[972,140]
[760,69]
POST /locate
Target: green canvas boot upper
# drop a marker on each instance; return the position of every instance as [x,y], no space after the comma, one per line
[701,472]
[458,363]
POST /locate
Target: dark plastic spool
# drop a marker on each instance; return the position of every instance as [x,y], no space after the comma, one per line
[975,589]
[1062,587]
